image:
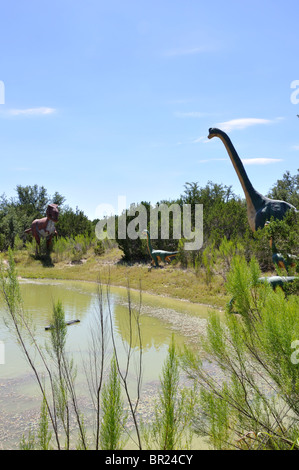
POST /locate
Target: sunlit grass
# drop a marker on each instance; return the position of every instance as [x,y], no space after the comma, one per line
[170,280]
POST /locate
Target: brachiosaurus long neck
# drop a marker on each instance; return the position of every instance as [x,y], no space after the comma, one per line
[149,245]
[253,198]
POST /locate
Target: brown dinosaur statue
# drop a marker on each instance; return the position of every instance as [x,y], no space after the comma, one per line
[260,209]
[45,227]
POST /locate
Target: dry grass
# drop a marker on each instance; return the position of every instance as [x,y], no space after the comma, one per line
[170,280]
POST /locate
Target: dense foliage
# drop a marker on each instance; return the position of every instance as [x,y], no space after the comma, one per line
[224,218]
[287,189]
[17,214]
[248,382]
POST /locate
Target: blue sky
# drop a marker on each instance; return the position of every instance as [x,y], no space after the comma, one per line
[107,99]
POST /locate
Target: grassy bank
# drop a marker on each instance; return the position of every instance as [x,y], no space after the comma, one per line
[170,280]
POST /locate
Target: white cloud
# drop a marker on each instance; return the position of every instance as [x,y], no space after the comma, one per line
[241,123]
[201,139]
[260,161]
[246,161]
[295,147]
[31,111]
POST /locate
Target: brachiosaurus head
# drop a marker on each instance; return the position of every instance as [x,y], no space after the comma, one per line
[213,132]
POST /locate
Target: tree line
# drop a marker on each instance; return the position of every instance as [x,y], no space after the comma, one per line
[224,218]
[30,203]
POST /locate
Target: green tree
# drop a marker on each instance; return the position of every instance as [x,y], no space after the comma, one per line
[72,223]
[133,249]
[287,189]
[32,199]
[114,418]
[224,213]
[173,410]
[17,214]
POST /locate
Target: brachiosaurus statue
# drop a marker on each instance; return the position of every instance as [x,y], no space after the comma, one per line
[45,227]
[159,255]
[259,208]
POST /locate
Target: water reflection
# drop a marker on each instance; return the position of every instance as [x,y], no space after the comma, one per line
[18,391]
[80,301]
[153,333]
[40,297]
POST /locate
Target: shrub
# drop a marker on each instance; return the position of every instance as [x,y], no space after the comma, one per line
[99,248]
[248,381]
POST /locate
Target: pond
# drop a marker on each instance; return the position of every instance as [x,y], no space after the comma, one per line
[160,319]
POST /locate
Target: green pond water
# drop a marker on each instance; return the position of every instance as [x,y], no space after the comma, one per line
[161,318]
